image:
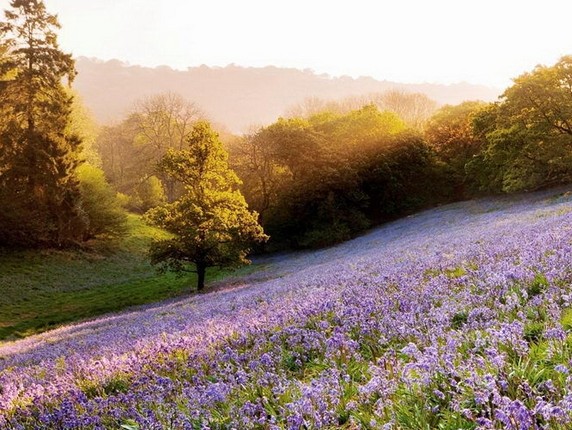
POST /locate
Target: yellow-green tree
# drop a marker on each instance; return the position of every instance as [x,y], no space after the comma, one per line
[210,223]
[103,209]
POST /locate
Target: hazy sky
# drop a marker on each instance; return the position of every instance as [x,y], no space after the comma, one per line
[443,41]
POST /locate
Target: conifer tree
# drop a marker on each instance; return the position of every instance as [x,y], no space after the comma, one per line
[39,189]
[210,223]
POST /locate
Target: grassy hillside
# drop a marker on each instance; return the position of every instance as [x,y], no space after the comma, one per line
[455,318]
[43,289]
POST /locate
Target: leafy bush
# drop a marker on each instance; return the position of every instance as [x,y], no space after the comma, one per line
[100,203]
[148,194]
[151,193]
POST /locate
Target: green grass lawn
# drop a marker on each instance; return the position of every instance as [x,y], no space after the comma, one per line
[40,290]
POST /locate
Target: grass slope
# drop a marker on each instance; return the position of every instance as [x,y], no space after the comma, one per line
[455,318]
[40,290]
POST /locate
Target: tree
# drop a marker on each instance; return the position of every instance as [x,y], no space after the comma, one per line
[84,125]
[529,132]
[413,108]
[254,159]
[37,176]
[164,121]
[148,194]
[210,223]
[103,209]
[131,149]
[124,162]
[450,132]
[323,179]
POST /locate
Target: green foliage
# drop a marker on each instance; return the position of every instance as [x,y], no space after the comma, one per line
[450,132]
[151,193]
[113,384]
[131,149]
[413,109]
[523,142]
[358,128]
[100,203]
[210,223]
[40,152]
[529,133]
[459,320]
[417,409]
[123,160]
[83,124]
[537,286]
[395,175]
[322,180]
[566,319]
[130,425]
[109,277]
[148,194]
[533,331]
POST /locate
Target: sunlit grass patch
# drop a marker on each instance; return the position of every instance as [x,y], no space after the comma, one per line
[44,289]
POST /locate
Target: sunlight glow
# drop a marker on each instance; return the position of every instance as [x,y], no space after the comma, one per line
[442,41]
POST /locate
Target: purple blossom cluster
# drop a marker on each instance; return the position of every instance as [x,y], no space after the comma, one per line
[458,317]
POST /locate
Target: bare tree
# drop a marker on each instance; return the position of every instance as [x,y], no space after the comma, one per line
[165,120]
[413,108]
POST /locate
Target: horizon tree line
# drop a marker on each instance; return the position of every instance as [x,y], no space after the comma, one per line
[322,174]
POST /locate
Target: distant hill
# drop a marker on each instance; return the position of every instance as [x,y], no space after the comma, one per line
[238,97]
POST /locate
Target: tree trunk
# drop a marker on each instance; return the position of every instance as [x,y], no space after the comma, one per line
[201,269]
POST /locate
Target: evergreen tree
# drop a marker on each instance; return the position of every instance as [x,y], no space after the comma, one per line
[210,223]
[39,189]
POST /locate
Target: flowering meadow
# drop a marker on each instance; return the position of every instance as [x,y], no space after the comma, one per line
[455,318]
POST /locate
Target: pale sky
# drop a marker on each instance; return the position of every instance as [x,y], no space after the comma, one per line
[411,41]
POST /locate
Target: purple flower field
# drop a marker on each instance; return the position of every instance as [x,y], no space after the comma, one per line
[458,317]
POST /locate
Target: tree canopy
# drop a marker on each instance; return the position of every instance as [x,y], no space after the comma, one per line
[323,179]
[210,222]
[528,132]
[38,186]
[450,133]
[131,149]
[522,142]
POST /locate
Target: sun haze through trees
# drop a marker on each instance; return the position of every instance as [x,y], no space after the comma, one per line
[39,191]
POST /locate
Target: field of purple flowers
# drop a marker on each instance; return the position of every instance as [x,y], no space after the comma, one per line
[455,318]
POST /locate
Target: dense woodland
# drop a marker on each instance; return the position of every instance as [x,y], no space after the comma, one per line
[332,169]
[320,175]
